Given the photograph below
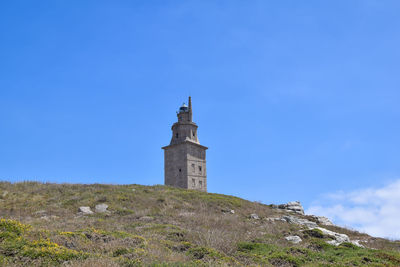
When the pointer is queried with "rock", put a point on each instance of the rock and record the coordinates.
(272, 219)
(39, 212)
(228, 211)
(291, 206)
(85, 210)
(5, 193)
(133, 189)
(357, 243)
(45, 217)
(295, 220)
(322, 220)
(101, 208)
(339, 238)
(293, 238)
(254, 216)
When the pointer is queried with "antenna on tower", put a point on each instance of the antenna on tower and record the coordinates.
(190, 109)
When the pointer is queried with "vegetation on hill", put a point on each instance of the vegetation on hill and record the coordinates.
(163, 226)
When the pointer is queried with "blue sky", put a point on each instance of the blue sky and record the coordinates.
(296, 100)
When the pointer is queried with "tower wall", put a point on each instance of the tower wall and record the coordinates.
(196, 165)
(175, 167)
(185, 166)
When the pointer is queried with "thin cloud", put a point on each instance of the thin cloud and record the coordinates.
(375, 211)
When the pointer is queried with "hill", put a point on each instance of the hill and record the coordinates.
(158, 225)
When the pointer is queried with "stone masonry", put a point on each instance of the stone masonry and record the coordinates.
(184, 157)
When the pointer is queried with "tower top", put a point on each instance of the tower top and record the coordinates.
(185, 113)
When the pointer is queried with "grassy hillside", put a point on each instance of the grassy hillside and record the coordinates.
(159, 225)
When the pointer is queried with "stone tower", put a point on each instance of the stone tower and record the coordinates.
(184, 157)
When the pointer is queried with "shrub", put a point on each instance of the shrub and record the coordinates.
(349, 245)
(48, 249)
(120, 251)
(314, 233)
(12, 226)
(283, 259)
(13, 243)
(204, 252)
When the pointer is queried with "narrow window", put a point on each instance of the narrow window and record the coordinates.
(193, 183)
(177, 135)
(193, 134)
(200, 169)
(180, 170)
(201, 184)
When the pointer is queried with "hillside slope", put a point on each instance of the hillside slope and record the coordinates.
(158, 225)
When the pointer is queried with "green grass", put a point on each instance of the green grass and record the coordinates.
(344, 255)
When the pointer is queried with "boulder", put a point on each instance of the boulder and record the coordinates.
(228, 211)
(101, 208)
(273, 219)
(45, 217)
(339, 238)
(322, 220)
(294, 206)
(254, 216)
(296, 220)
(39, 212)
(293, 238)
(357, 243)
(85, 210)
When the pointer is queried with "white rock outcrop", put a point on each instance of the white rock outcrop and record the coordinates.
(357, 243)
(293, 238)
(296, 220)
(85, 210)
(273, 219)
(294, 206)
(338, 238)
(102, 208)
(322, 220)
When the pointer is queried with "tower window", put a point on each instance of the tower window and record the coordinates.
(201, 184)
(194, 134)
(177, 135)
(193, 183)
(200, 169)
(180, 170)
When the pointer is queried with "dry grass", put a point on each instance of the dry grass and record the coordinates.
(154, 225)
